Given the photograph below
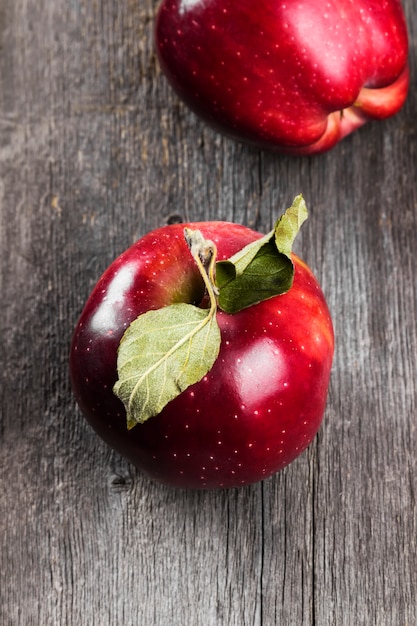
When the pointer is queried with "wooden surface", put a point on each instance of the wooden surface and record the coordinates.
(96, 150)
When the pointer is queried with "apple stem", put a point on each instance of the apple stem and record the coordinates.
(204, 252)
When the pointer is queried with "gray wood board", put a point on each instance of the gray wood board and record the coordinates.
(96, 150)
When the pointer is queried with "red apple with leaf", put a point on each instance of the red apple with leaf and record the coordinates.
(292, 75)
(203, 354)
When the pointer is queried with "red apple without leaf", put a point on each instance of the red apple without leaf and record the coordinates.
(291, 75)
(262, 401)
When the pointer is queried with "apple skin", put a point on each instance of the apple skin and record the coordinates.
(259, 406)
(291, 75)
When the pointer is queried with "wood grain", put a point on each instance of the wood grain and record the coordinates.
(95, 150)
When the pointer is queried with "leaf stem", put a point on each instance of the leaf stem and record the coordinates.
(204, 253)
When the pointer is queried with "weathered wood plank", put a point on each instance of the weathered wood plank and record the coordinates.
(95, 150)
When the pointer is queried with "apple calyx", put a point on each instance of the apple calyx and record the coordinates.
(165, 351)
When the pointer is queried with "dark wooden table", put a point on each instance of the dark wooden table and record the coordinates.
(95, 150)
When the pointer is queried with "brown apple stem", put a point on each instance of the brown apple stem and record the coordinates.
(204, 252)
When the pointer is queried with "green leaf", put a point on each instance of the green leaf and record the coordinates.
(267, 275)
(288, 225)
(161, 354)
(263, 269)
